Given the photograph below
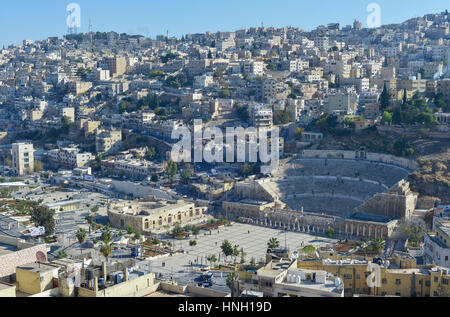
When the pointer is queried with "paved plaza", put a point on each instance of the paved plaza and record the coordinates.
(253, 243)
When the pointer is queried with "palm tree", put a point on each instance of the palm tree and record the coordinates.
(195, 231)
(236, 252)
(231, 277)
(212, 259)
(107, 235)
(273, 243)
(378, 244)
(106, 249)
(81, 236)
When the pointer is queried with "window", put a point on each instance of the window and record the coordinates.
(358, 277)
(446, 258)
(427, 283)
(398, 294)
(348, 276)
(398, 281)
(436, 279)
(384, 281)
(445, 281)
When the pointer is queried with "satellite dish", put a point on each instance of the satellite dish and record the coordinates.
(40, 257)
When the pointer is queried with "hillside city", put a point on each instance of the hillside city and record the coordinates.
(96, 202)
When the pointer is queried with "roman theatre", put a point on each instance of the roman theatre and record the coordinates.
(357, 193)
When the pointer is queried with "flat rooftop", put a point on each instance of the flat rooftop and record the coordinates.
(37, 267)
(254, 202)
(445, 226)
(370, 217)
(64, 203)
(168, 294)
(5, 286)
(6, 249)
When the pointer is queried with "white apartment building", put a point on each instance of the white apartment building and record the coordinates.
(69, 157)
(203, 81)
(262, 117)
(255, 68)
(322, 43)
(369, 97)
(101, 74)
(225, 44)
(108, 141)
(437, 244)
(341, 102)
(22, 158)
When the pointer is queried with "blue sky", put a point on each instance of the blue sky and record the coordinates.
(39, 19)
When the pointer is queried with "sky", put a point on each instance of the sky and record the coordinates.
(39, 19)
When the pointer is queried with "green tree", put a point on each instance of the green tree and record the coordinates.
(273, 243)
(236, 252)
(38, 166)
(106, 249)
(8, 162)
(172, 169)
(81, 237)
(330, 233)
(298, 132)
(378, 245)
(387, 118)
(282, 117)
(384, 98)
(106, 235)
(192, 243)
(212, 259)
(185, 174)
(230, 281)
(150, 154)
(227, 248)
(242, 113)
(225, 93)
(405, 96)
(130, 230)
(309, 249)
(65, 123)
(61, 254)
(243, 255)
(44, 217)
(195, 231)
(177, 229)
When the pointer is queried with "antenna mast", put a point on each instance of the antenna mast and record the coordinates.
(91, 38)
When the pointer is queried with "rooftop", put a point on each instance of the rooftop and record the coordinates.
(37, 267)
(5, 286)
(146, 208)
(64, 203)
(6, 249)
(370, 217)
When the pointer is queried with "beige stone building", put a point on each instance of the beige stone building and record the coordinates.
(116, 65)
(108, 141)
(147, 215)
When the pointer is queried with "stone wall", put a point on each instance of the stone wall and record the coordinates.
(10, 261)
(399, 202)
(376, 157)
